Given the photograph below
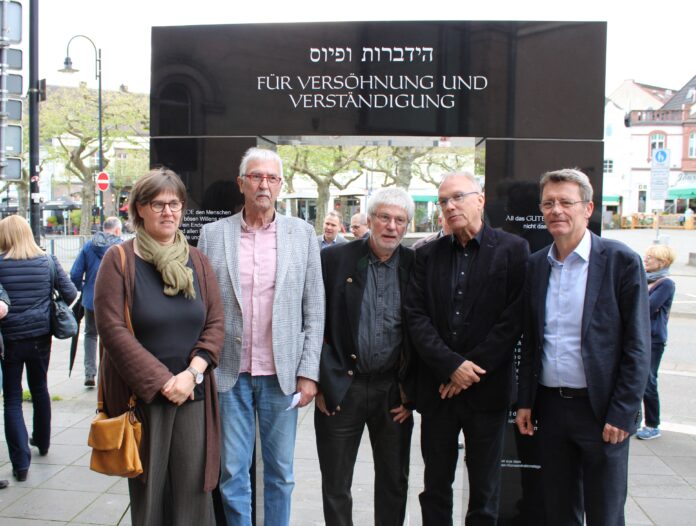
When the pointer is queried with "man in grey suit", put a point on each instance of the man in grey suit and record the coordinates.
(269, 272)
(585, 358)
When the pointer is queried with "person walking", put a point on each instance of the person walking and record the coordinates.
(27, 276)
(658, 259)
(83, 274)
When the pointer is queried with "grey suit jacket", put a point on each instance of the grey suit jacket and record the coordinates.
(340, 239)
(298, 305)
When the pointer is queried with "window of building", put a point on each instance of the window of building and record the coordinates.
(608, 166)
(657, 142)
(692, 145)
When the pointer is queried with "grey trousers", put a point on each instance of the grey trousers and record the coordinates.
(90, 344)
(173, 493)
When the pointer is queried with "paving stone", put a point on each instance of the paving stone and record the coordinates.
(647, 465)
(107, 509)
(634, 515)
(684, 466)
(667, 486)
(79, 478)
(49, 504)
(669, 512)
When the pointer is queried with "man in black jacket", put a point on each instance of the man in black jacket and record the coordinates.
(464, 316)
(365, 371)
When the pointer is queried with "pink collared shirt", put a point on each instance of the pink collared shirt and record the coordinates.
(257, 272)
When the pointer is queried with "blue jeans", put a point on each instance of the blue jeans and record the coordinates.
(34, 353)
(651, 399)
(250, 397)
(90, 344)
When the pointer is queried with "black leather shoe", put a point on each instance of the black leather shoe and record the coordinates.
(4, 484)
(89, 381)
(20, 475)
(42, 452)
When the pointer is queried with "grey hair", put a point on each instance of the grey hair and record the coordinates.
(391, 196)
(334, 213)
(259, 154)
(362, 218)
(111, 223)
(467, 175)
(568, 175)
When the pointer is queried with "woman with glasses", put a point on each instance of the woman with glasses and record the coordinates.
(165, 359)
(658, 259)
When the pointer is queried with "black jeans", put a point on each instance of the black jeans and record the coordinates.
(651, 399)
(483, 436)
(367, 402)
(34, 353)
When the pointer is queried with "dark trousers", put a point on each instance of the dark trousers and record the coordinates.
(483, 435)
(173, 492)
(367, 402)
(651, 399)
(579, 471)
(34, 354)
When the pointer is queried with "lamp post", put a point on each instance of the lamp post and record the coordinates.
(68, 68)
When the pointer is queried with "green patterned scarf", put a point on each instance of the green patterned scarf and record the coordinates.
(170, 261)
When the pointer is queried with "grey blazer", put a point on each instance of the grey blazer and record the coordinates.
(340, 239)
(298, 305)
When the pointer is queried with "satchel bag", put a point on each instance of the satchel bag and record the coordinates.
(115, 442)
(63, 322)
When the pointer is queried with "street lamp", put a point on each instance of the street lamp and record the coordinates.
(68, 68)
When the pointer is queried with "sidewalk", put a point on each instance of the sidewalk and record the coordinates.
(62, 490)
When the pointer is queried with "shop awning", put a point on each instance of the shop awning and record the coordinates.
(611, 199)
(682, 192)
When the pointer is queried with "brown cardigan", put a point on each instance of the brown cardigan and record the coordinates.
(128, 367)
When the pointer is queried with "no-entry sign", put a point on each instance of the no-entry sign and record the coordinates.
(103, 181)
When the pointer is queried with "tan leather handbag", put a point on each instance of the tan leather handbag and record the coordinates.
(115, 442)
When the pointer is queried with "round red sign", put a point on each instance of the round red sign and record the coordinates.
(103, 181)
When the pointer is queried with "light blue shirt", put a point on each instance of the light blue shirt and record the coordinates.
(561, 361)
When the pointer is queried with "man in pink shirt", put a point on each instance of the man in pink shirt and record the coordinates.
(269, 273)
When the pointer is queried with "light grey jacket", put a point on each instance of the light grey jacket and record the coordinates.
(298, 305)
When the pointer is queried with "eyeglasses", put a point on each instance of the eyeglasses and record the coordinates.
(456, 198)
(174, 206)
(256, 178)
(386, 219)
(565, 204)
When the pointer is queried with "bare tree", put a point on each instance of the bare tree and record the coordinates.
(326, 166)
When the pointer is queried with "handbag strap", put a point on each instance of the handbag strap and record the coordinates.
(52, 266)
(129, 324)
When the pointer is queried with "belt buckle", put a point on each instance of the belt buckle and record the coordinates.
(567, 397)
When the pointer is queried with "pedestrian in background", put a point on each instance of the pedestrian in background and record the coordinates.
(4, 307)
(83, 274)
(658, 259)
(27, 277)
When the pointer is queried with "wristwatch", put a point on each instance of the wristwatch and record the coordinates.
(197, 376)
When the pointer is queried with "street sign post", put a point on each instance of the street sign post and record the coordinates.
(659, 175)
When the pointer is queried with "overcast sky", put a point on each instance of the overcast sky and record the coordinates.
(649, 48)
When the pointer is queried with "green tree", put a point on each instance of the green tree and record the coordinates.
(69, 130)
(400, 164)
